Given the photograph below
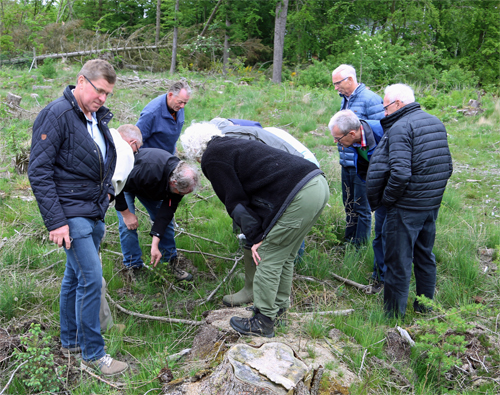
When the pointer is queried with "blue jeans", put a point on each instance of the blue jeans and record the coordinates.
(358, 213)
(81, 289)
(410, 236)
(379, 267)
(129, 240)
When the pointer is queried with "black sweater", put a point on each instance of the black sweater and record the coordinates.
(149, 178)
(255, 182)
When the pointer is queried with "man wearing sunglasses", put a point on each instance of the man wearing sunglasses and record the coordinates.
(366, 105)
(71, 165)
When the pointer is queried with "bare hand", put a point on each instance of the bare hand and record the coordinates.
(255, 254)
(60, 236)
(130, 219)
(155, 252)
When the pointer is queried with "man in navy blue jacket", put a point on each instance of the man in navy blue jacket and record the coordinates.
(160, 123)
(363, 137)
(72, 162)
(366, 105)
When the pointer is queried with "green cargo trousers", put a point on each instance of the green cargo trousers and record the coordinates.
(272, 283)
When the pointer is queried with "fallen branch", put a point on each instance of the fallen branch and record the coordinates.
(350, 282)
(152, 317)
(336, 312)
(206, 253)
(199, 237)
(362, 362)
(222, 282)
(87, 370)
(11, 377)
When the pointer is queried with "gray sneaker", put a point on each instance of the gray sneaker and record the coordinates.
(179, 274)
(107, 366)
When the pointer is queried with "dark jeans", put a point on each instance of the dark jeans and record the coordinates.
(379, 267)
(129, 239)
(358, 213)
(410, 236)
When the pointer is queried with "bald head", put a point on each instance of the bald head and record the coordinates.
(132, 135)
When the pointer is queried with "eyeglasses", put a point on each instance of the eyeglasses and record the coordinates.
(99, 91)
(337, 140)
(338, 82)
(390, 104)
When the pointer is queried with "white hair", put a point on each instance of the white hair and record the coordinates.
(346, 70)
(345, 120)
(195, 138)
(401, 92)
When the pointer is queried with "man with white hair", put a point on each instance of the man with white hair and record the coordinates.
(349, 131)
(408, 174)
(198, 135)
(366, 105)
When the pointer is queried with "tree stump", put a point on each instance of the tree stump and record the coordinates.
(271, 369)
(13, 99)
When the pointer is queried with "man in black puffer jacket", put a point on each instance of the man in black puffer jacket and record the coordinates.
(72, 161)
(408, 174)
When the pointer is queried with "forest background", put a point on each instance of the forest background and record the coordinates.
(440, 43)
(448, 51)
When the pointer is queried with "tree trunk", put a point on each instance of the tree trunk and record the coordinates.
(279, 39)
(158, 19)
(211, 17)
(174, 42)
(225, 56)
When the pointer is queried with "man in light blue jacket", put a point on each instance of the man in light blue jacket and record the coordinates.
(366, 105)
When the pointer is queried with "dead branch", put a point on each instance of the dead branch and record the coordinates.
(11, 377)
(223, 281)
(350, 282)
(152, 317)
(180, 232)
(336, 312)
(205, 253)
(391, 368)
(87, 370)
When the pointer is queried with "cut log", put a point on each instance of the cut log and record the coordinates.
(13, 99)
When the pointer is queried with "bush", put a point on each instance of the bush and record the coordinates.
(48, 69)
(318, 74)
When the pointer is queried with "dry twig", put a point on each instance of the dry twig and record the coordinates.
(152, 317)
(236, 260)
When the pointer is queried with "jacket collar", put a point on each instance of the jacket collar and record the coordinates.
(390, 120)
(359, 88)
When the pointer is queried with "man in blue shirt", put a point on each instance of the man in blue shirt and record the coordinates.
(366, 105)
(160, 122)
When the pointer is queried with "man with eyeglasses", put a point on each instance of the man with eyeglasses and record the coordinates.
(363, 136)
(160, 123)
(71, 165)
(366, 105)
(408, 174)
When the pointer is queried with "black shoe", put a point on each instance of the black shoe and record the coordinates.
(375, 287)
(258, 325)
(280, 319)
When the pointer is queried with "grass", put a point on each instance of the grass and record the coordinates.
(31, 267)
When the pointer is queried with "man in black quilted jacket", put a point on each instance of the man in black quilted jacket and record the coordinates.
(408, 174)
(72, 161)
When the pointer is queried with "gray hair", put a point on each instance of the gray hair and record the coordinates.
(195, 138)
(185, 177)
(345, 120)
(401, 92)
(346, 70)
(130, 131)
(176, 87)
(96, 69)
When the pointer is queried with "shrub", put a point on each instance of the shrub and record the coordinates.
(48, 69)
(38, 362)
